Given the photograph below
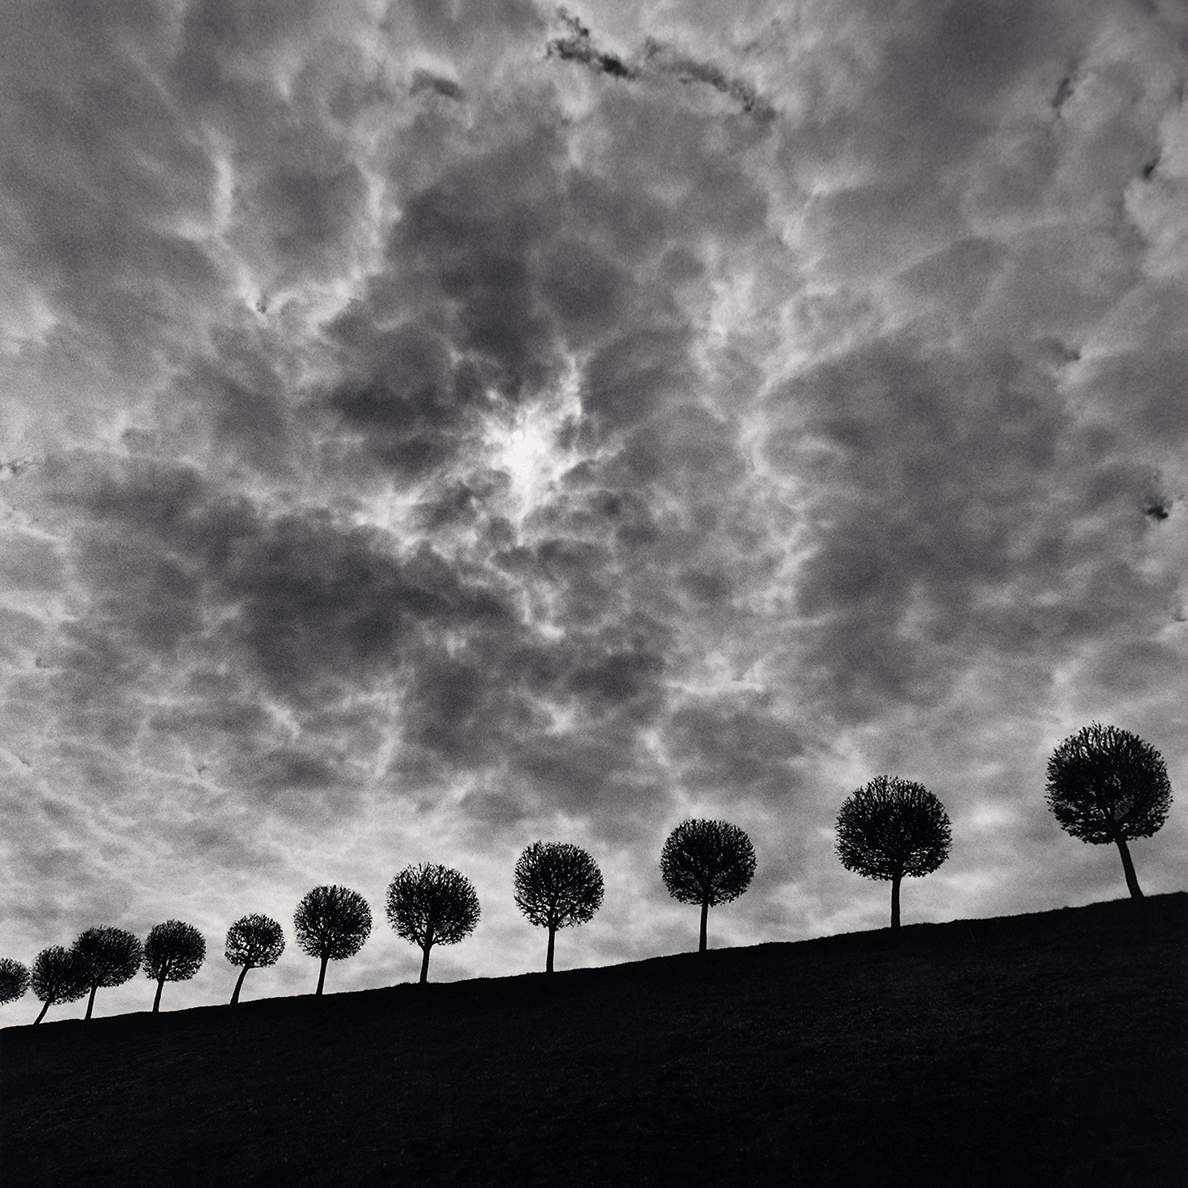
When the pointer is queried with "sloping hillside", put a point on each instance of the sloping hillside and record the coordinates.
(1045, 1049)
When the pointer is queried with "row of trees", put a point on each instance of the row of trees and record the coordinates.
(1105, 785)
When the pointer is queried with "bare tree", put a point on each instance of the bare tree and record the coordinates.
(108, 957)
(1107, 785)
(173, 952)
(557, 885)
(332, 924)
(57, 977)
(14, 980)
(253, 941)
(432, 905)
(890, 828)
(707, 862)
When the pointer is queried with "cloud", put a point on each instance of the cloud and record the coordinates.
(422, 443)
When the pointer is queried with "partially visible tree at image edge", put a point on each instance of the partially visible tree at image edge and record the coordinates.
(707, 863)
(557, 885)
(332, 923)
(891, 828)
(14, 980)
(1108, 785)
(253, 941)
(173, 952)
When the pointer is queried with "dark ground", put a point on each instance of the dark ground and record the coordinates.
(1047, 1049)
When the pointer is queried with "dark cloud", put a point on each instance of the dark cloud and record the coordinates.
(312, 603)
(961, 496)
(730, 741)
(579, 47)
(446, 88)
(690, 70)
(102, 176)
(653, 61)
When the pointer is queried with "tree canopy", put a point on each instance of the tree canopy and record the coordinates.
(108, 957)
(430, 904)
(1108, 785)
(14, 980)
(708, 863)
(57, 976)
(891, 828)
(173, 952)
(253, 941)
(557, 885)
(332, 923)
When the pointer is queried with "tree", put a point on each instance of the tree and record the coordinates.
(173, 952)
(253, 941)
(57, 976)
(108, 957)
(14, 980)
(556, 885)
(1107, 785)
(890, 828)
(432, 905)
(332, 924)
(707, 862)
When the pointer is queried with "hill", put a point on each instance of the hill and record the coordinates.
(1044, 1049)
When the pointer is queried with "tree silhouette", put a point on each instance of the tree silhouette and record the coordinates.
(1107, 785)
(556, 885)
(107, 957)
(432, 905)
(890, 828)
(57, 976)
(14, 980)
(253, 941)
(332, 924)
(707, 862)
(173, 952)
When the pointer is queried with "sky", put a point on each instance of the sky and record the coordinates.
(433, 427)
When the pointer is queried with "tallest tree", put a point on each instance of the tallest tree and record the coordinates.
(1107, 785)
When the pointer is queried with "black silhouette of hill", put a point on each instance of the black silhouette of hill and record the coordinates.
(1045, 1049)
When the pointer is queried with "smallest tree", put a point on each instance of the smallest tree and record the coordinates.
(556, 885)
(890, 828)
(332, 924)
(108, 957)
(707, 863)
(1107, 785)
(253, 941)
(173, 952)
(57, 977)
(432, 905)
(14, 980)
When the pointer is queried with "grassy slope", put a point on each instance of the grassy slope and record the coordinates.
(1045, 1049)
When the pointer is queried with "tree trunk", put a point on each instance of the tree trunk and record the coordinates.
(44, 1008)
(549, 958)
(157, 999)
(704, 917)
(895, 881)
(425, 952)
(238, 983)
(1136, 892)
(90, 1002)
(322, 976)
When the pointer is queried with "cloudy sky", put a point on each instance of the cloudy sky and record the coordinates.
(435, 426)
